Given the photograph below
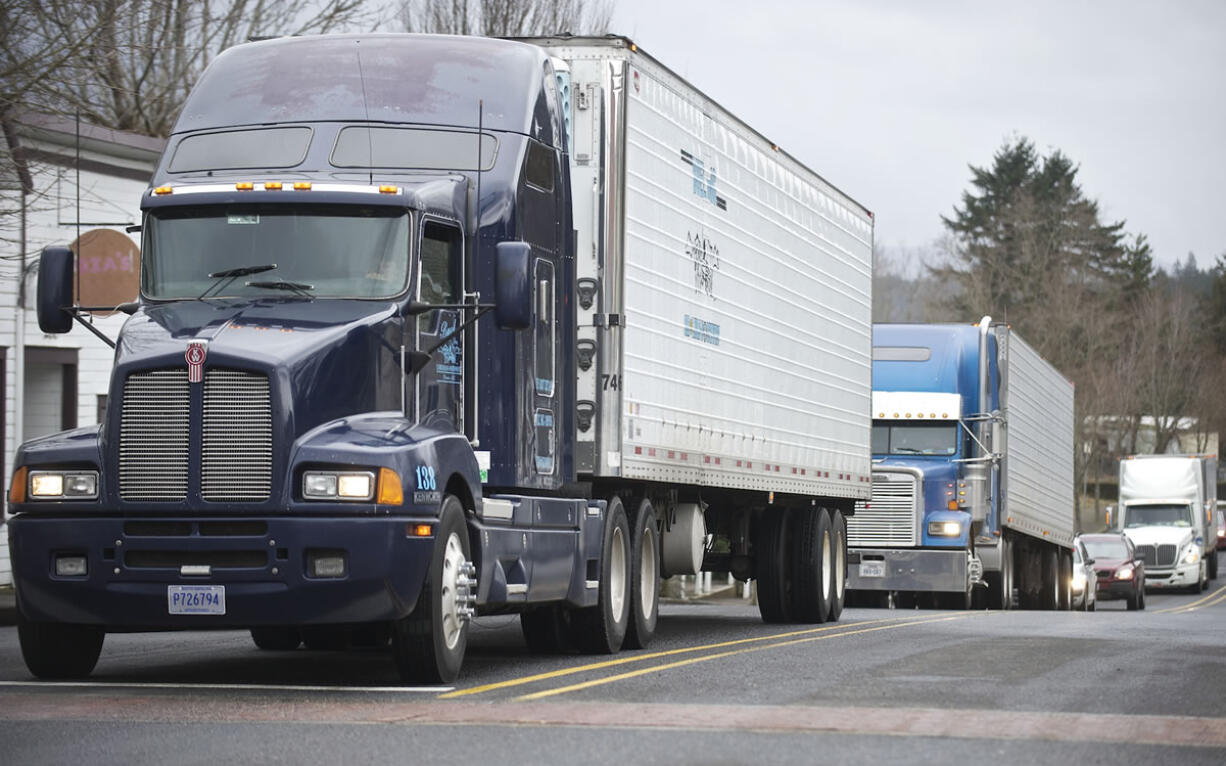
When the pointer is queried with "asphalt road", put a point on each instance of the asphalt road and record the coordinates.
(717, 687)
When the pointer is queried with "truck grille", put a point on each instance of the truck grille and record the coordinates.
(1157, 555)
(153, 433)
(889, 519)
(236, 436)
(236, 448)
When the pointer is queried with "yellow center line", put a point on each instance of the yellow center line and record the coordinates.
(734, 652)
(655, 655)
(1216, 595)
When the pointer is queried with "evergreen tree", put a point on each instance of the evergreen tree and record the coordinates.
(1025, 226)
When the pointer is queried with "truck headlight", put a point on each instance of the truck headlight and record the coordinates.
(338, 485)
(63, 485)
(1191, 556)
(944, 528)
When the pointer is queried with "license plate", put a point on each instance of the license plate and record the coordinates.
(872, 569)
(196, 599)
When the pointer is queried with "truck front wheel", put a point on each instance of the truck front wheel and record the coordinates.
(429, 644)
(54, 650)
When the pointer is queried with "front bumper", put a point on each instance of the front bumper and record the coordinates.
(261, 562)
(907, 570)
(1183, 576)
(1111, 589)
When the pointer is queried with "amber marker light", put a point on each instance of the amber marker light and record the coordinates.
(272, 186)
(163, 190)
(421, 530)
(389, 189)
(390, 491)
(17, 492)
(244, 186)
(302, 185)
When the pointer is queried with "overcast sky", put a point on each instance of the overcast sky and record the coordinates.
(890, 100)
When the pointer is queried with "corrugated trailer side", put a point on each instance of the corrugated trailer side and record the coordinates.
(1038, 462)
(736, 289)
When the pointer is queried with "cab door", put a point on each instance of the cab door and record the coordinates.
(440, 386)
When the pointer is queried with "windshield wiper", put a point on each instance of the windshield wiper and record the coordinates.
(297, 288)
(229, 275)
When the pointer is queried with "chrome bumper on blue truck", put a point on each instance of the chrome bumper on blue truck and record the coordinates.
(881, 569)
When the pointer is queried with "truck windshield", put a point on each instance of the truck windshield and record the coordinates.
(894, 438)
(339, 251)
(1158, 516)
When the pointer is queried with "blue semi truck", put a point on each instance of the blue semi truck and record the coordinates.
(436, 327)
(973, 486)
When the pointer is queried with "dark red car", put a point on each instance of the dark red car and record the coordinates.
(1221, 525)
(1121, 573)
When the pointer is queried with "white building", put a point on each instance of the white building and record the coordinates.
(62, 180)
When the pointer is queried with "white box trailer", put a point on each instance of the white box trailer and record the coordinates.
(725, 291)
(1037, 453)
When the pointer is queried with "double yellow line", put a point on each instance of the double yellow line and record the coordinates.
(735, 647)
(1213, 599)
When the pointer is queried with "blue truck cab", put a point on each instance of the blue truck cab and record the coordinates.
(916, 534)
(973, 490)
(298, 430)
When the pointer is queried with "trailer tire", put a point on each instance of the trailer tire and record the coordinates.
(838, 528)
(773, 566)
(58, 651)
(601, 629)
(1065, 586)
(1050, 577)
(644, 577)
(428, 645)
(813, 565)
(1000, 593)
(276, 639)
(545, 629)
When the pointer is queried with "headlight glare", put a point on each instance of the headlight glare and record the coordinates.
(359, 486)
(944, 528)
(1191, 556)
(63, 485)
(1124, 573)
(338, 485)
(46, 485)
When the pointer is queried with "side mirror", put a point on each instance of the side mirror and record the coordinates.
(55, 280)
(1089, 562)
(512, 286)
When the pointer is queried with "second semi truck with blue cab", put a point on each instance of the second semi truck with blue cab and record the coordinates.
(435, 327)
(972, 472)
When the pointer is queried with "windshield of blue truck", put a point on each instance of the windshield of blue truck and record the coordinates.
(1158, 516)
(915, 438)
(339, 251)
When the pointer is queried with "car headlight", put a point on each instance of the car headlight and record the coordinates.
(338, 485)
(1079, 580)
(945, 528)
(1125, 572)
(1191, 556)
(63, 485)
